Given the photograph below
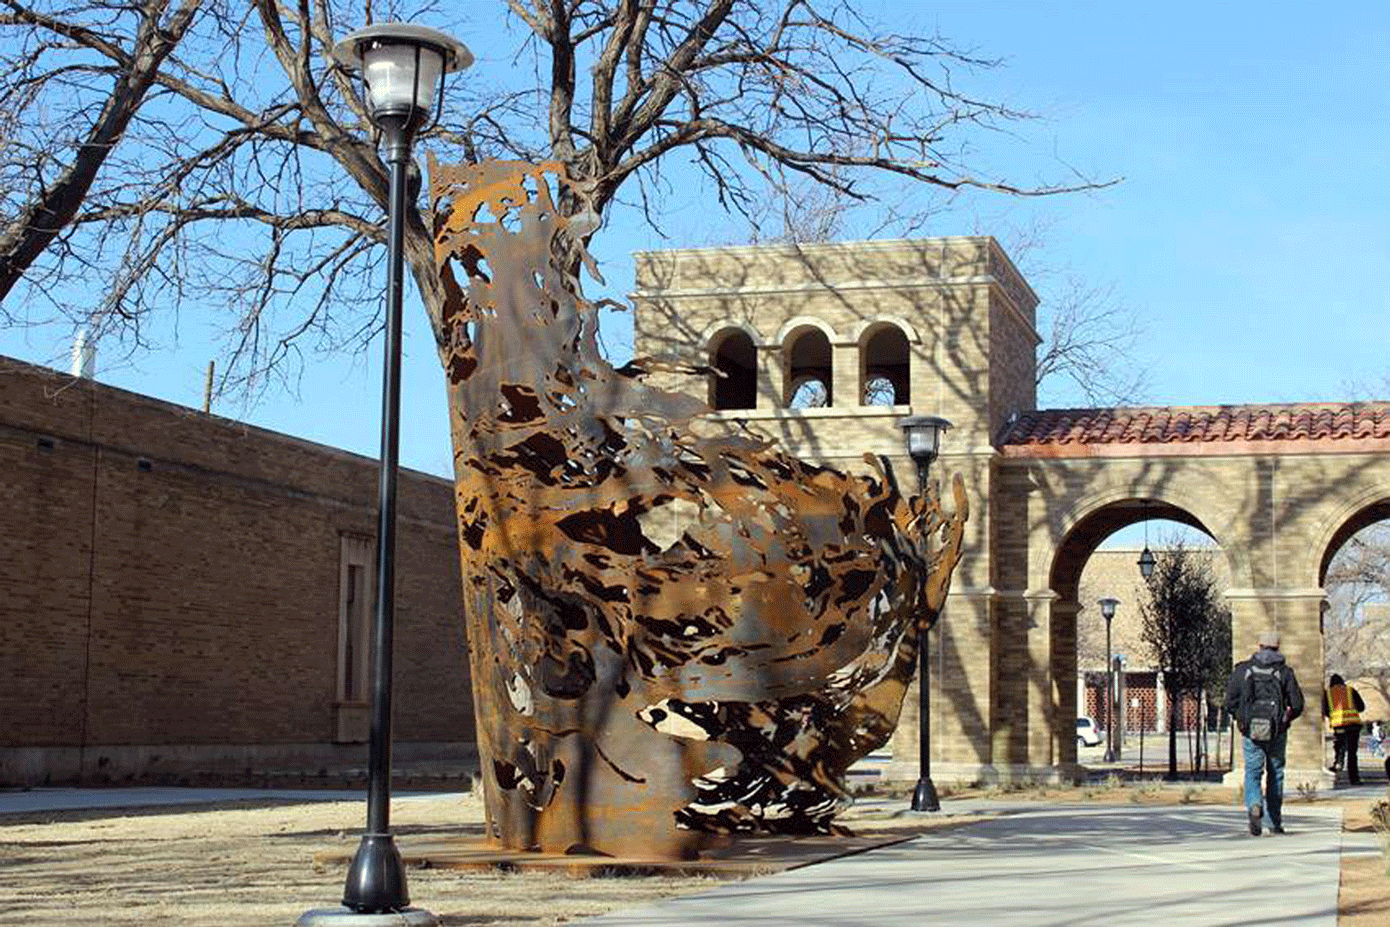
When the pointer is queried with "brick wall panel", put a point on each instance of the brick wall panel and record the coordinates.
(214, 582)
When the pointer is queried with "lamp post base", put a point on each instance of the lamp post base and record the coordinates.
(376, 876)
(346, 917)
(924, 796)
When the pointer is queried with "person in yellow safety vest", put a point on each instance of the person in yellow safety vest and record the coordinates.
(1342, 707)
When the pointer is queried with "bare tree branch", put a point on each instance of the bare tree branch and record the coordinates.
(27, 235)
(234, 166)
(1091, 340)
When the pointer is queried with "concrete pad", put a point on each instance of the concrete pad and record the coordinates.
(344, 917)
(1052, 866)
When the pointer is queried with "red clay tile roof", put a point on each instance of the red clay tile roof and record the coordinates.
(1338, 422)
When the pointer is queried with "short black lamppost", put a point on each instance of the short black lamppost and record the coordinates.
(923, 436)
(1107, 611)
(401, 65)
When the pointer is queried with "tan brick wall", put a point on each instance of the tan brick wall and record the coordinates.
(196, 602)
(1115, 573)
(953, 293)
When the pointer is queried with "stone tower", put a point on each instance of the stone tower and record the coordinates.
(825, 347)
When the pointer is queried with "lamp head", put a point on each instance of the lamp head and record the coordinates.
(922, 434)
(1107, 607)
(1146, 562)
(401, 64)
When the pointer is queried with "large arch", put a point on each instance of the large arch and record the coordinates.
(1089, 522)
(1361, 511)
(1097, 523)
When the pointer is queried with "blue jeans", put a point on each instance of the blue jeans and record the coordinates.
(1261, 759)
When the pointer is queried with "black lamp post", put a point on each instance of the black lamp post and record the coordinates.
(401, 65)
(1107, 611)
(923, 436)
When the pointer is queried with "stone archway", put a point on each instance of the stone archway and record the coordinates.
(1356, 617)
(1095, 520)
(1361, 512)
(1275, 485)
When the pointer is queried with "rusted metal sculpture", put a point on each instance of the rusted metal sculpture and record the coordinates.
(671, 636)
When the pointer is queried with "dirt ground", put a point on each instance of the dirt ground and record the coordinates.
(251, 863)
(1364, 899)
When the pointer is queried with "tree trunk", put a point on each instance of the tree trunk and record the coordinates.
(1173, 707)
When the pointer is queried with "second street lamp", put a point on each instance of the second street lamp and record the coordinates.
(922, 433)
(1107, 611)
(1146, 563)
(401, 65)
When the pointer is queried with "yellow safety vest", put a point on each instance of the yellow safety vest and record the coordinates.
(1341, 708)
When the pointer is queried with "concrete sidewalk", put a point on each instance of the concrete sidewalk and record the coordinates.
(1050, 866)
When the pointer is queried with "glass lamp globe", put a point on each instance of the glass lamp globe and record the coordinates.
(401, 65)
(923, 435)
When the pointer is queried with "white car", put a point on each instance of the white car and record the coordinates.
(1087, 733)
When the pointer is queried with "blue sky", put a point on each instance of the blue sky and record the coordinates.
(1249, 232)
(1254, 142)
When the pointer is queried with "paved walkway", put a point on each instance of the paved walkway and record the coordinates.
(1040, 865)
(1050, 866)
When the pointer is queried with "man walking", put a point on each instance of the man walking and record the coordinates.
(1342, 708)
(1264, 697)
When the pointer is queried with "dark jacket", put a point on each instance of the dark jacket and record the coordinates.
(1235, 688)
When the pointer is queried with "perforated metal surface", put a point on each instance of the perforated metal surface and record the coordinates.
(671, 635)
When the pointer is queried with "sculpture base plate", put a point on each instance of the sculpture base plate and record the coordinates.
(732, 858)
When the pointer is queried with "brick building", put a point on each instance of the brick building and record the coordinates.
(187, 598)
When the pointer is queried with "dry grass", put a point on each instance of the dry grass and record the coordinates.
(251, 864)
(245, 863)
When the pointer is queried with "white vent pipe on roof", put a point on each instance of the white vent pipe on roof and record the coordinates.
(84, 356)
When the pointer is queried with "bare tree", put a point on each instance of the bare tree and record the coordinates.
(1090, 337)
(131, 72)
(1189, 631)
(1090, 340)
(1356, 625)
(244, 179)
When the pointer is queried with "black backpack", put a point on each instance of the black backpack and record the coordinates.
(1264, 702)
